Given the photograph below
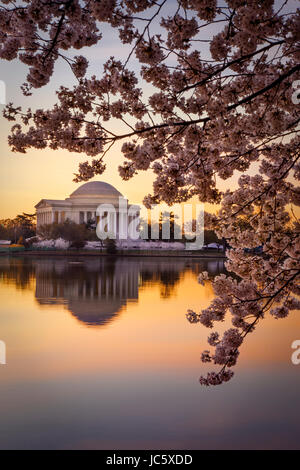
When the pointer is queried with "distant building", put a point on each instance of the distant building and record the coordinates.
(82, 204)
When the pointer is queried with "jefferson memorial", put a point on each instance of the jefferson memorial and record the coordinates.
(81, 206)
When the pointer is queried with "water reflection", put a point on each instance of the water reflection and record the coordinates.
(96, 290)
(101, 356)
(93, 291)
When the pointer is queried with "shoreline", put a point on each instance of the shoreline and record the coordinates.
(120, 253)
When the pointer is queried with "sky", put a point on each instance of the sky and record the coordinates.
(27, 178)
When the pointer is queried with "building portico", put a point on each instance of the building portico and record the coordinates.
(81, 207)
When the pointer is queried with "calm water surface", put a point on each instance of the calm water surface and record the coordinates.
(100, 355)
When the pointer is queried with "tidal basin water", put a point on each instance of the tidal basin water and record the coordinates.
(101, 356)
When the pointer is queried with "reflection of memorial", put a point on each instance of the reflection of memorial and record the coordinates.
(94, 292)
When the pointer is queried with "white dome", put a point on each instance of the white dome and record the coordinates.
(96, 188)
